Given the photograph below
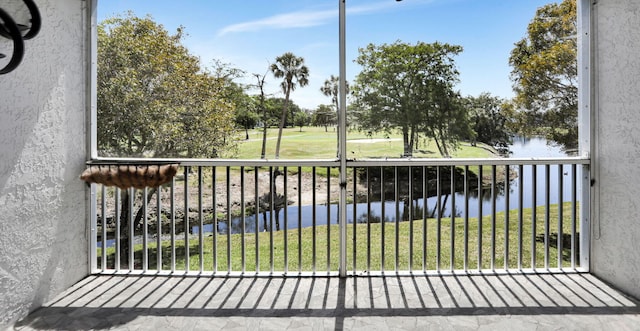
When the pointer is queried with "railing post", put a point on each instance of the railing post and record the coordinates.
(342, 135)
(585, 132)
(93, 230)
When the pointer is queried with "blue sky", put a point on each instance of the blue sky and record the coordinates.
(250, 34)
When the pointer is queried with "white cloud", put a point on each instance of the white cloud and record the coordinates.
(300, 19)
(303, 19)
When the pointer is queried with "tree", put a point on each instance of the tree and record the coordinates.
(293, 71)
(447, 123)
(331, 88)
(544, 73)
(324, 116)
(489, 119)
(154, 99)
(410, 88)
(263, 110)
(301, 119)
(274, 108)
(246, 116)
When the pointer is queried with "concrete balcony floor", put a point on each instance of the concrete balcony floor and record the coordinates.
(571, 301)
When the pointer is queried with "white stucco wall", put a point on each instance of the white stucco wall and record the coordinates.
(43, 245)
(616, 222)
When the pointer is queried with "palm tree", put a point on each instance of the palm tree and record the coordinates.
(331, 88)
(294, 72)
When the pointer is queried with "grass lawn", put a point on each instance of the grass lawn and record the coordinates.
(315, 143)
(369, 253)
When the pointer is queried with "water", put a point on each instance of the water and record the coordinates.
(528, 148)
(531, 147)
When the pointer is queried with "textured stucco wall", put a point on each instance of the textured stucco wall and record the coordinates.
(43, 245)
(616, 227)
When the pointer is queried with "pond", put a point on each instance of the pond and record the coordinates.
(521, 148)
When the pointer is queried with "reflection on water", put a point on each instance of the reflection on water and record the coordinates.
(507, 197)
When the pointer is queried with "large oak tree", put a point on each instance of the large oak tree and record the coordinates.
(544, 74)
(410, 88)
(154, 98)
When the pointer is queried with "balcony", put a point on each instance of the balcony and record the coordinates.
(45, 221)
(507, 249)
(512, 301)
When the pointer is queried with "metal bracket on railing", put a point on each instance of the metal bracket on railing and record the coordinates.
(14, 31)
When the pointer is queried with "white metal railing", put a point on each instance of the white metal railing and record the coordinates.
(221, 217)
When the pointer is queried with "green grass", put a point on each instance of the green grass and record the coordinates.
(369, 255)
(315, 143)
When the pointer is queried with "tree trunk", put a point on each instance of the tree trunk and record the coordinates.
(407, 152)
(125, 224)
(263, 154)
(282, 121)
(443, 205)
(124, 229)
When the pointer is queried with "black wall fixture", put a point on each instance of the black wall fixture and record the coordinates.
(17, 33)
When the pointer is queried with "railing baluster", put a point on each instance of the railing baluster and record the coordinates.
(410, 219)
(354, 243)
(313, 220)
(396, 186)
(534, 212)
(506, 215)
(131, 219)
(286, 222)
(547, 214)
(118, 224)
(172, 209)
(560, 213)
(214, 202)
(272, 213)
(480, 217)
(159, 229)
(257, 222)
(229, 268)
(425, 211)
(494, 194)
(186, 219)
(329, 220)
(243, 224)
(466, 218)
(145, 232)
(300, 219)
(438, 218)
(452, 248)
(520, 213)
(368, 220)
(94, 213)
(574, 213)
(105, 239)
(200, 221)
(382, 220)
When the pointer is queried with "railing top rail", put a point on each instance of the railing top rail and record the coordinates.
(350, 163)
(468, 161)
(219, 162)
